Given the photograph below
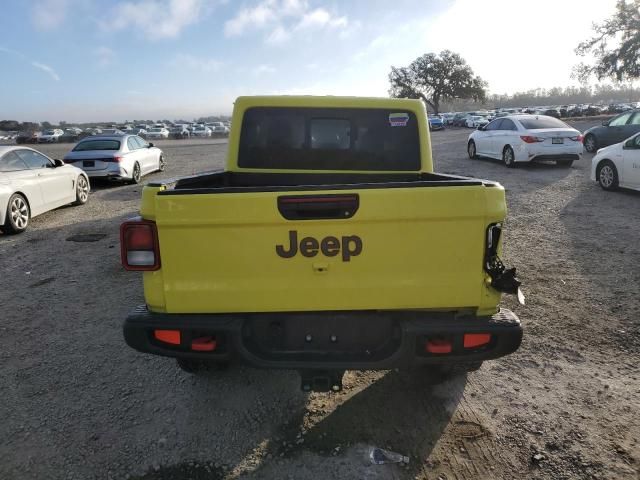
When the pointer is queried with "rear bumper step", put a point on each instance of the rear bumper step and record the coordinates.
(345, 340)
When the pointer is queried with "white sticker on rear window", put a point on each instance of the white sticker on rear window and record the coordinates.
(398, 119)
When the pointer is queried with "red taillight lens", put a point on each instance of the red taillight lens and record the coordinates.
(579, 138)
(475, 340)
(531, 139)
(139, 245)
(118, 159)
(172, 337)
(438, 345)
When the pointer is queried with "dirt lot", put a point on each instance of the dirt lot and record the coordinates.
(77, 403)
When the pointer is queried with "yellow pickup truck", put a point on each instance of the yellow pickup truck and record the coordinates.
(328, 244)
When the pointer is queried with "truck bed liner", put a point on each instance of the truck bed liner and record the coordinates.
(230, 182)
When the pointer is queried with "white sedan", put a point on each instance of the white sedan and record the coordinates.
(476, 121)
(618, 165)
(117, 157)
(158, 132)
(526, 138)
(31, 183)
(50, 136)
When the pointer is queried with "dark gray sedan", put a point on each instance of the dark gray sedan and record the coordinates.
(614, 130)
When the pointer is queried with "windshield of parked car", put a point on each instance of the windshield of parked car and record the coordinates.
(329, 139)
(49, 132)
(536, 123)
(156, 130)
(97, 145)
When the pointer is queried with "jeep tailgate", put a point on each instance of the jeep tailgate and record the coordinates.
(420, 248)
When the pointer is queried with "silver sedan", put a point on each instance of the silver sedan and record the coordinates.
(31, 183)
(119, 157)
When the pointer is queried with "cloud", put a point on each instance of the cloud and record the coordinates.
(320, 18)
(283, 18)
(246, 18)
(49, 14)
(41, 66)
(47, 69)
(105, 56)
(278, 36)
(196, 63)
(155, 19)
(263, 69)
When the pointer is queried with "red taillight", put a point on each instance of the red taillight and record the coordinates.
(531, 139)
(204, 344)
(438, 345)
(475, 340)
(117, 159)
(172, 337)
(139, 248)
(579, 138)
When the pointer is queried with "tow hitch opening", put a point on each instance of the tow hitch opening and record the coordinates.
(321, 380)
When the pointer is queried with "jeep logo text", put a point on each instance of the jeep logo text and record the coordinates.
(350, 246)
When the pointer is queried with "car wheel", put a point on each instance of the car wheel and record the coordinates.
(18, 214)
(82, 190)
(471, 150)
(161, 164)
(607, 175)
(564, 163)
(508, 157)
(135, 176)
(590, 144)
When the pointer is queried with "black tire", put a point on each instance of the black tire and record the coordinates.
(564, 163)
(471, 150)
(136, 175)
(590, 143)
(162, 165)
(18, 215)
(194, 366)
(82, 190)
(607, 175)
(508, 157)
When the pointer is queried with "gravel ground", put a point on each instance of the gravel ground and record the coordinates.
(77, 403)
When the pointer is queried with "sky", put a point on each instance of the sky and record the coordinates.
(92, 60)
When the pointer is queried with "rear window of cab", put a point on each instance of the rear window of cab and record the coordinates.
(89, 145)
(329, 139)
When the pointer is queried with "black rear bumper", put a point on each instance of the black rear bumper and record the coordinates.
(354, 340)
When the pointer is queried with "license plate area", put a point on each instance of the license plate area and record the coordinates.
(557, 140)
(321, 337)
(88, 163)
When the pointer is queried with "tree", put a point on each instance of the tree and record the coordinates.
(615, 46)
(434, 78)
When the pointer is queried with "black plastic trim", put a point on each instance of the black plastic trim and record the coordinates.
(411, 327)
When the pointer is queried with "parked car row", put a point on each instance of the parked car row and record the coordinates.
(31, 183)
(155, 131)
(464, 119)
(528, 138)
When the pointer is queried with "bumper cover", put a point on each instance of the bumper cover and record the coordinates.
(355, 340)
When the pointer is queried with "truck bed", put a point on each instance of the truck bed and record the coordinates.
(233, 182)
(284, 242)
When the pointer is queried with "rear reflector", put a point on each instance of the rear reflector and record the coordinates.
(438, 345)
(204, 344)
(474, 340)
(139, 245)
(168, 336)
